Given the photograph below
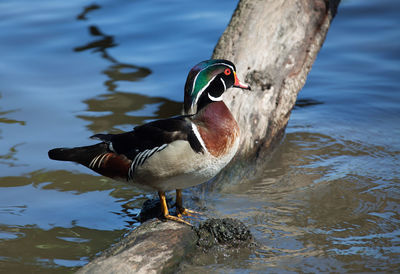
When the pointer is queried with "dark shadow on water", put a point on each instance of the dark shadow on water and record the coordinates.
(86, 10)
(117, 71)
(306, 102)
(100, 45)
(107, 112)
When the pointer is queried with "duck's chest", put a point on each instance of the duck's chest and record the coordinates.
(218, 130)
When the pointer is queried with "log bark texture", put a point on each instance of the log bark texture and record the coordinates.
(273, 44)
(153, 247)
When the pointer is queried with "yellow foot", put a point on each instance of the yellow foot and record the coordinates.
(177, 219)
(188, 212)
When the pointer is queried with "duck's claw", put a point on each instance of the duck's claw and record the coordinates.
(177, 219)
(187, 212)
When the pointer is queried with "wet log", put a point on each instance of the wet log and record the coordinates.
(273, 44)
(158, 246)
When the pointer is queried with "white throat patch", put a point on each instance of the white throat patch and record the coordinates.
(215, 99)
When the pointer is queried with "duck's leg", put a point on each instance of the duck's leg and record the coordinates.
(164, 210)
(179, 206)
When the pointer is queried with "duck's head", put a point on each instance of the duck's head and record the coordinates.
(206, 83)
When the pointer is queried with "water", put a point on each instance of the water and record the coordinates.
(328, 199)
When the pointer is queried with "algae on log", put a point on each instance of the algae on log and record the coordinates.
(158, 246)
(273, 44)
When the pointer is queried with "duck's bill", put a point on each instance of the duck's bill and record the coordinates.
(238, 84)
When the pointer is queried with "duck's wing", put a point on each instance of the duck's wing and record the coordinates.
(119, 154)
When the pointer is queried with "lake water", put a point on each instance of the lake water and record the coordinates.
(327, 201)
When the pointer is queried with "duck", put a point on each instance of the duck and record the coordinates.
(173, 153)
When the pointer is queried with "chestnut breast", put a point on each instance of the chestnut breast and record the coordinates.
(218, 128)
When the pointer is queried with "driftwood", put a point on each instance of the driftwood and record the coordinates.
(273, 44)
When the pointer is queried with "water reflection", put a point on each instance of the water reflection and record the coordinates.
(86, 10)
(67, 181)
(337, 220)
(119, 110)
(60, 249)
(6, 120)
(306, 102)
(101, 45)
(43, 212)
(10, 158)
(110, 111)
(118, 71)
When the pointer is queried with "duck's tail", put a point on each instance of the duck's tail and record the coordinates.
(82, 155)
(96, 157)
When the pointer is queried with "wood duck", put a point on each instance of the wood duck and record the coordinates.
(174, 153)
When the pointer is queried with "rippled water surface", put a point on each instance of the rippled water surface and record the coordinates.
(327, 201)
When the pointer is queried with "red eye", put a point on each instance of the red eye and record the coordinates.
(227, 71)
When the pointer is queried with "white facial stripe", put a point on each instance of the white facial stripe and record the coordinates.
(198, 136)
(215, 99)
(195, 78)
(223, 82)
(202, 90)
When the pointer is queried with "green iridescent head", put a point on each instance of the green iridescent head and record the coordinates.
(206, 83)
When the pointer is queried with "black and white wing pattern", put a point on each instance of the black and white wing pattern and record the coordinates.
(148, 139)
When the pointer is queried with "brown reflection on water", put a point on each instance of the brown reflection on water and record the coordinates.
(39, 245)
(117, 71)
(86, 10)
(10, 158)
(6, 120)
(67, 181)
(32, 249)
(108, 111)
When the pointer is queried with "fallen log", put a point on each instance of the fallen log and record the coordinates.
(152, 247)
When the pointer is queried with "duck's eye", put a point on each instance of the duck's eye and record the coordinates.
(227, 71)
